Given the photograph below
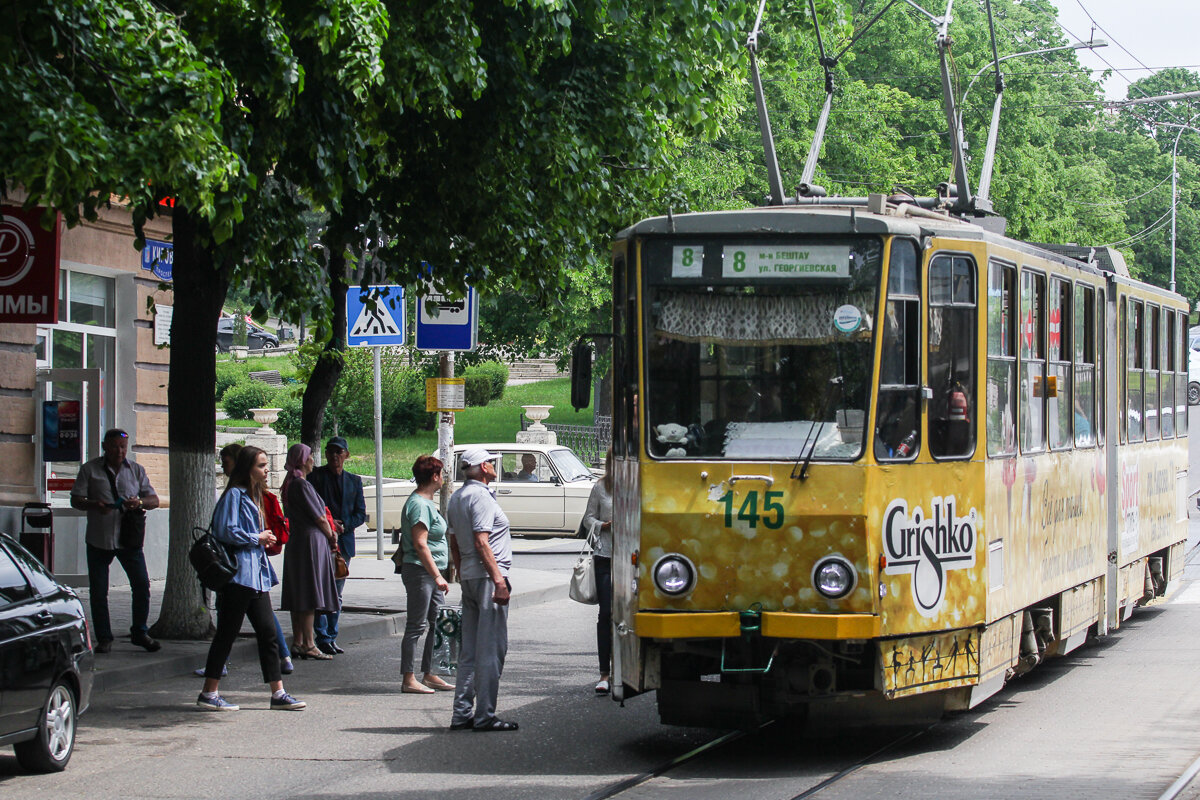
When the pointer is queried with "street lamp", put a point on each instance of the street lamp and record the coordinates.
(1174, 196)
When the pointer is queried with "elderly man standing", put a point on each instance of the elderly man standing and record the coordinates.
(482, 550)
(116, 494)
(343, 492)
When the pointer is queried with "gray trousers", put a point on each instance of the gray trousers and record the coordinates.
(424, 600)
(481, 659)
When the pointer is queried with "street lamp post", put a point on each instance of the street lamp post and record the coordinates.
(1174, 193)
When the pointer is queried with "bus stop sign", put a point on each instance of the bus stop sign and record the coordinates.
(445, 323)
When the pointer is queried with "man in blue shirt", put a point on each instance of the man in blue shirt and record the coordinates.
(343, 492)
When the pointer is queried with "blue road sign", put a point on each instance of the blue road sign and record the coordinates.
(158, 257)
(376, 318)
(445, 323)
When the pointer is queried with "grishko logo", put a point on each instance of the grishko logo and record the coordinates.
(927, 546)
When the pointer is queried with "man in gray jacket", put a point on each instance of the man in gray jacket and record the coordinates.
(481, 546)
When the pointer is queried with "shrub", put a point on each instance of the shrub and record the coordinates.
(289, 418)
(230, 373)
(497, 373)
(478, 388)
(406, 414)
(242, 397)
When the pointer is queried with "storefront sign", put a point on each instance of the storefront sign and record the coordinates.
(28, 266)
(158, 257)
(61, 430)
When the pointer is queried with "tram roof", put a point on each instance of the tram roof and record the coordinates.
(854, 217)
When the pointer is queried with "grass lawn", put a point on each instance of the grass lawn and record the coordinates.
(282, 362)
(499, 421)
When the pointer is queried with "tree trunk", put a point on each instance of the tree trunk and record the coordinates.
(329, 366)
(199, 293)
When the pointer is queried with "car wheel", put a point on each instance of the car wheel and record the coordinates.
(1193, 394)
(51, 749)
(269, 345)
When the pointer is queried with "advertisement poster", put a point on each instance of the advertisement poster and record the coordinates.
(60, 430)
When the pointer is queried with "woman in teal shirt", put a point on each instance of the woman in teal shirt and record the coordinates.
(426, 554)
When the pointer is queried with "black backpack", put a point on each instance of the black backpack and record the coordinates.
(213, 562)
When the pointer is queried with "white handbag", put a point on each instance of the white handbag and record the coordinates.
(583, 578)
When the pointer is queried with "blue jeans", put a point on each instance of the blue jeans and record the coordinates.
(134, 564)
(325, 626)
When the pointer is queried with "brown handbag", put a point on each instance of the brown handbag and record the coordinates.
(341, 570)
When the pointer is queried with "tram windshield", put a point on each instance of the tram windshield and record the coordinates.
(759, 350)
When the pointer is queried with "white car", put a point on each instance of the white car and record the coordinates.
(1193, 388)
(542, 488)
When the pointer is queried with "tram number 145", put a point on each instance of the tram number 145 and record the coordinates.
(771, 516)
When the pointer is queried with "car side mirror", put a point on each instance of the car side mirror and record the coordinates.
(581, 375)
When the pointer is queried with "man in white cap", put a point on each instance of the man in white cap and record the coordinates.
(481, 546)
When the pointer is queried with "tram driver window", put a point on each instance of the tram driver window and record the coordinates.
(952, 356)
(897, 425)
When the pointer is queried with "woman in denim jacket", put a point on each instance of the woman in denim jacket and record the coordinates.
(238, 524)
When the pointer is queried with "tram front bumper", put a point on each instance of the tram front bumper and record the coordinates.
(775, 625)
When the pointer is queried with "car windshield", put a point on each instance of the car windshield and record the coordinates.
(569, 466)
(759, 349)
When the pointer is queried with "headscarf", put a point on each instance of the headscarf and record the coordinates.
(293, 468)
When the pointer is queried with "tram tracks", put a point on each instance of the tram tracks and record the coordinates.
(626, 786)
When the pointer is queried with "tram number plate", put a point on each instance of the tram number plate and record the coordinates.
(770, 516)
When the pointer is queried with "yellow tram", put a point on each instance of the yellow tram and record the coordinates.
(867, 450)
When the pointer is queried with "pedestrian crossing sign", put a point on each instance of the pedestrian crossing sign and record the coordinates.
(375, 316)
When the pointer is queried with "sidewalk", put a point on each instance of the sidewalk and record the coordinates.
(374, 600)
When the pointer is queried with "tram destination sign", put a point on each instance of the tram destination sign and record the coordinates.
(799, 260)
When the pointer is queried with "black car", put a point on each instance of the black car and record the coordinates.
(256, 337)
(46, 661)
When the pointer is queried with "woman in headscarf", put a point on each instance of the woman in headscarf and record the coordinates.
(239, 524)
(308, 581)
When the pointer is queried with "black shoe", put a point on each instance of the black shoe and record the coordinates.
(496, 725)
(144, 640)
(103, 646)
(327, 648)
(461, 726)
(336, 650)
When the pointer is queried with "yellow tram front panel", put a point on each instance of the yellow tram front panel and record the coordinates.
(754, 535)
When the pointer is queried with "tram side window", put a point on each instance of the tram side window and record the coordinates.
(1033, 361)
(1150, 374)
(1101, 339)
(1002, 360)
(1058, 390)
(1166, 380)
(952, 356)
(1135, 343)
(1181, 377)
(897, 428)
(1084, 399)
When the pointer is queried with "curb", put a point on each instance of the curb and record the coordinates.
(385, 622)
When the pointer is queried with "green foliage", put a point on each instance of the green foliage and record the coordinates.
(230, 373)
(477, 389)
(240, 331)
(495, 374)
(352, 406)
(289, 418)
(241, 397)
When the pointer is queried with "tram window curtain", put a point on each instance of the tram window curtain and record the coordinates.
(951, 361)
(1166, 379)
(1058, 395)
(1033, 362)
(1150, 367)
(897, 426)
(1181, 377)
(1135, 345)
(1002, 359)
(1084, 399)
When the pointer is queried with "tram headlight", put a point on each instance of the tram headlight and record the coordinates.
(834, 577)
(674, 575)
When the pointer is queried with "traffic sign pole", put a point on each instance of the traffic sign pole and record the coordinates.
(446, 435)
(378, 458)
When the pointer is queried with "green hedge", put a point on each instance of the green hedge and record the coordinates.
(289, 419)
(231, 373)
(242, 397)
(478, 388)
(485, 382)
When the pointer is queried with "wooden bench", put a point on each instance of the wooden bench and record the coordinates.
(269, 377)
